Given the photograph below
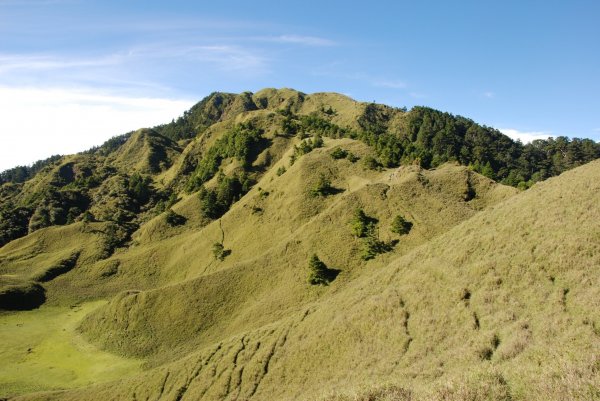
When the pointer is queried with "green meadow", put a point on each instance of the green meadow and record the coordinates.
(42, 350)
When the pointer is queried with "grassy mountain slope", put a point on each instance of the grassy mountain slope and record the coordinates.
(504, 305)
(193, 241)
(269, 251)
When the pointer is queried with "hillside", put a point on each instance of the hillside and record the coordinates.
(179, 259)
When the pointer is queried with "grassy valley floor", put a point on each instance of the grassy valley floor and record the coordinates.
(41, 350)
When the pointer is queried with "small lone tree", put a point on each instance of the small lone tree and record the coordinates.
(173, 219)
(322, 187)
(362, 225)
(319, 273)
(219, 251)
(373, 246)
(400, 225)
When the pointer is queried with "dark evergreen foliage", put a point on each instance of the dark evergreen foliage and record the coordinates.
(21, 174)
(173, 219)
(216, 202)
(201, 116)
(400, 225)
(319, 274)
(243, 143)
(362, 224)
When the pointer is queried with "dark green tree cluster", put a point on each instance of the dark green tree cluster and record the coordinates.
(58, 207)
(306, 146)
(338, 153)
(13, 222)
(361, 224)
(21, 174)
(365, 227)
(110, 145)
(294, 124)
(197, 119)
(430, 138)
(140, 188)
(243, 142)
(317, 125)
(216, 202)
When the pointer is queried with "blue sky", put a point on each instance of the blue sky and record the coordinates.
(74, 72)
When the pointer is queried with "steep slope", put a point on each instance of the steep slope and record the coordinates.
(145, 152)
(188, 248)
(263, 278)
(504, 305)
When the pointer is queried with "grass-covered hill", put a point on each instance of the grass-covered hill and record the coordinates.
(287, 246)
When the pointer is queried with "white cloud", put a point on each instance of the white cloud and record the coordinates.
(37, 123)
(489, 94)
(392, 84)
(303, 40)
(10, 62)
(228, 58)
(525, 136)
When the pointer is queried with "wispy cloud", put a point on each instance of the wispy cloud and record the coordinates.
(123, 65)
(20, 62)
(228, 58)
(71, 120)
(489, 94)
(417, 95)
(301, 40)
(525, 136)
(391, 84)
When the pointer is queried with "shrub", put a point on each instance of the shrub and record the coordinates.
(352, 157)
(140, 188)
(370, 163)
(319, 273)
(219, 251)
(174, 219)
(400, 225)
(373, 246)
(339, 153)
(322, 187)
(362, 224)
(281, 170)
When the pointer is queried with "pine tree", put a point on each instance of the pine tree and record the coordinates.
(400, 225)
(319, 273)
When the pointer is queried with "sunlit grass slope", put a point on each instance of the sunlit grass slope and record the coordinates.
(502, 306)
